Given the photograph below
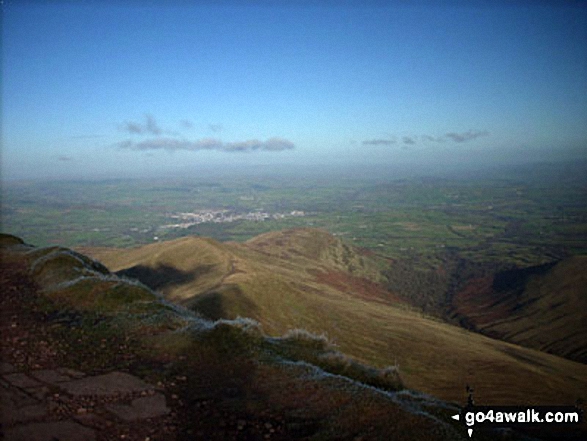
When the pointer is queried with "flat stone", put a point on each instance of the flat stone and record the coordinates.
(11, 397)
(112, 383)
(72, 373)
(58, 430)
(21, 380)
(16, 415)
(50, 376)
(6, 368)
(38, 392)
(18, 407)
(91, 420)
(141, 408)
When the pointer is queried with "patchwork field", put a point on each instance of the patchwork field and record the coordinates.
(521, 216)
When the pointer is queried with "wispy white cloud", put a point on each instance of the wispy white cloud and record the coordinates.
(186, 124)
(379, 142)
(466, 136)
(172, 141)
(149, 127)
(410, 140)
(87, 136)
(433, 138)
(173, 144)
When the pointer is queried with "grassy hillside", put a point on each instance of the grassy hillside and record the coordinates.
(541, 307)
(308, 279)
(222, 379)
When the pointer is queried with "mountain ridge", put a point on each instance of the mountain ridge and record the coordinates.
(286, 284)
(215, 380)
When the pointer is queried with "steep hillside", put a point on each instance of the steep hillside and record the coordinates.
(541, 307)
(87, 355)
(319, 247)
(177, 268)
(254, 279)
(308, 279)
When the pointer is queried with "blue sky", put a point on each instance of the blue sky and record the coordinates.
(154, 88)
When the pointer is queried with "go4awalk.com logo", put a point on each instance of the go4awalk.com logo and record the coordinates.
(474, 416)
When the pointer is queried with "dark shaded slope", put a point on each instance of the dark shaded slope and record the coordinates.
(542, 307)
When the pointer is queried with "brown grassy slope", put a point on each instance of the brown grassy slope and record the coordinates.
(547, 310)
(177, 268)
(273, 278)
(319, 247)
(221, 379)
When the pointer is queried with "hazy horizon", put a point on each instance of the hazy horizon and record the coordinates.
(139, 89)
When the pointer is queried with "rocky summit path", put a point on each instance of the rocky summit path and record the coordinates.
(93, 387)
(44, 399)
(64, 404)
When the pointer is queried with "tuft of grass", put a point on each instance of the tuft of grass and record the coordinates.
(301, 345)
(239, 336)
(303, 339)
(338, 363)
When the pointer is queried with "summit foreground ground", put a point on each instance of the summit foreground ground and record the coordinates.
(90, 355)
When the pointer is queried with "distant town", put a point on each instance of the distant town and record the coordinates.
(186, 220)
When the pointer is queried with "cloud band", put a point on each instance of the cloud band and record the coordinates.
(171, 144)
(452, 136)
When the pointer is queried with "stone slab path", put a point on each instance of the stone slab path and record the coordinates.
(43, 399)
(66, 405)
